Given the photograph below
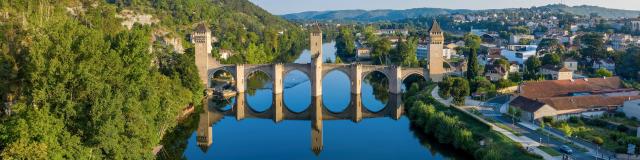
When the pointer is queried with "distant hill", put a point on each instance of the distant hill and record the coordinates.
(373, 15)
(586, 10)
(391, 15)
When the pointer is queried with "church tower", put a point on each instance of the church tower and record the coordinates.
(315, 43)
(436, 43)
(201, 38)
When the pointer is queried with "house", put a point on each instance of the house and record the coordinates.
(519, 53)
(448, 52)
(514, 68)
(391, 32)
(489, 38)
(606, 64)
(556, 72)
(479, 32)
(496, 73)
(515, 39)
(635, 25)
(571, 64)
(562, 99)
(563, 108)
(363, 53)
(225, 54)
(494, 53)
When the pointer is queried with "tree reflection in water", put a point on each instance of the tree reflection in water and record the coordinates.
(430, 143)
(380, 84)
(257, 80)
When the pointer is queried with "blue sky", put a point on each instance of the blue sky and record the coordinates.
(293, 6)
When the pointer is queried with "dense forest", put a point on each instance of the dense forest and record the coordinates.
(79, 85)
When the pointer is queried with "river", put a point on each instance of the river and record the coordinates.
(385, 137)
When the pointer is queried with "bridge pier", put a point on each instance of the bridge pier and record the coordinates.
(395, 102)
(356, 79)
(395, 80)
(278, 113)
(240, 107)
(278, 71)
(356, 102)
(240, 78)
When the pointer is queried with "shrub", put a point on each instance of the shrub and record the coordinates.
(574, 119)
(622, 128)
(548, 119)
(597, 140)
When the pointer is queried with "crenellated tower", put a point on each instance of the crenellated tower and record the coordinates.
(436, 43)
(315, 43)
(201, 38)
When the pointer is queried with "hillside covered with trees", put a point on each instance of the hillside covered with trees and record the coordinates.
(394, 15)
(79, 85)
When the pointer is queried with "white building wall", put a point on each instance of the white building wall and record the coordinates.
(631, 108)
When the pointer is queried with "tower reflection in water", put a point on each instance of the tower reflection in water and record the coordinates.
(316, 113)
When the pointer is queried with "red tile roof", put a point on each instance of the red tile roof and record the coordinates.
(558, 88)
(584, 102)
(526, 104)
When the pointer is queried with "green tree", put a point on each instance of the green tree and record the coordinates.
(551, 59)
(482, 85)
(445, 87)
(566, 129)
(603, 73)
(532, 66)
(380, 51)
(502, 62)
(550, 45)
(460, 90)
(472, 41)
(525, 41)
(628, 64)
(592, 46)
(474, 68)
(405, 53)
(345, 42)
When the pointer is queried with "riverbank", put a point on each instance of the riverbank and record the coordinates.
(469, 134)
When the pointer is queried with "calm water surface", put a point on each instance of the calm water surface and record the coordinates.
(254, 138)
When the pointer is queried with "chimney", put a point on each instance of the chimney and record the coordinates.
(604, 77)
(571, 79)
(586, 79)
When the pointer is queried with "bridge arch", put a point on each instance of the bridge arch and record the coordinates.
(375, 90)
(338, 84)
(297, 90)
(257, 90)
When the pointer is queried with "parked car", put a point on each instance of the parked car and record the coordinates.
(566, 149)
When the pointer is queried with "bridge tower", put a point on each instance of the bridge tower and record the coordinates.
(201, 38)
(315, 43)
(436, 43)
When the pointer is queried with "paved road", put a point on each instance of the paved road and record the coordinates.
(492, 111)
(537, 136)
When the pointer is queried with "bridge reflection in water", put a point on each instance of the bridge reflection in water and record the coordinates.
(316, 113)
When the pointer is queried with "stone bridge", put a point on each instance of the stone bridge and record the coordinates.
(355, 72)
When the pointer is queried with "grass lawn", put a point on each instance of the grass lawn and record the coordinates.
(550, 150)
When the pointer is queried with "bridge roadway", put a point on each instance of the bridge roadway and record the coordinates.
(355, 72)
